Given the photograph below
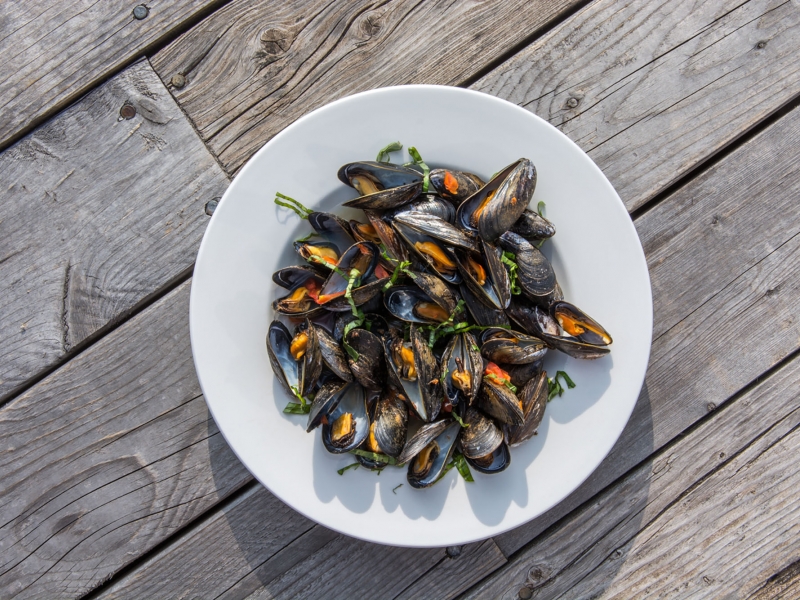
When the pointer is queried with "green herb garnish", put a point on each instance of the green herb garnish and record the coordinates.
(358, 314)
(293, 408)
(457, 418)
(394, 490)
(459, 462)
(555, 388)
(426, 170)
(383, 155)
(509, 259)
(435, 332)
(341, 471)
(308, 237)
(293, 204)
(374, 456)
(497, 380)
(540, 208)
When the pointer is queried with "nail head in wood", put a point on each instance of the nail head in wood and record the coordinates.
(525, 593)
(140, 12)
(128, 111)
(761, 45)
(178, 81)
(454, 551)
(572, 102)
(711, 406)
(211, 206)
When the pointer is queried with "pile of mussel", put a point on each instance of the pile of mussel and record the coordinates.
(419, 330)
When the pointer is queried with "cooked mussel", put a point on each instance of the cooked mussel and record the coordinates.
(493, 209)
(358, 261)
(382, 185)
(484, 315)
(431, 205)
(535, 273)
(496, 399)
(333, 229)
(425, 465)
(412, 368)
(492, 463)
(429, 300)
(455, 186)
(332, 354)
(534, 400)
(295, 359)
(304, 285)
(512, 347)
(533, 226)
(462, 369)
(389, 424)
(360, 295)
(481, 437)
(320, 254)
(348, 423)
(368, 367)
(325, 402)
(485, 275)
(579, 325)
(522, 374)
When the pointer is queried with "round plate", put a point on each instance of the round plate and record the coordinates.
(596, 254)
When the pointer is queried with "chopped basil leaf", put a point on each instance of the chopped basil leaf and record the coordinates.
(293, 408)
(463, 467)
(555, 387)
(308, 237)
(509, 259)
(496, 379)
(341, 471)
(293, 204)
(426, 170)
(383, 155)
(540, 208)
(457, 418)
(374, 456)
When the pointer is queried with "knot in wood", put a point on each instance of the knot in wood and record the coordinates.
(371, 25)
(536, 574)
(275, 41)
(572, 103)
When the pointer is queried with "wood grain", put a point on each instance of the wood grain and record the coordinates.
(650, 90)
(712, 514)
(98, 213)
(255, 67)
(53, 52)
(718, 276)
(694, 357)
(107, 457)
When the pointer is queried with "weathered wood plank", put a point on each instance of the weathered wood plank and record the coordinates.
(98, 213)
(715, 299)
(650, 90)
(52, 52)
(687, 357)
(714, 513)
(107, 457)
(255, 67)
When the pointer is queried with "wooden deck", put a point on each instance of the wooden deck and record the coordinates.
(116, 131)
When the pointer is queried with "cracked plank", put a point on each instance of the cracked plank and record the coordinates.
(651, 90)
(98, 213)
(53, 52)
(255, 67)
(713, 514)
(724, 260)
(107, 457)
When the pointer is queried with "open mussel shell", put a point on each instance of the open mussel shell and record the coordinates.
(360, 295)
(575, 348)
(434, 227)
(333, 229)
(437, 290)
(369, 176)
(492, 463)
(532, 319)
(481, 437)
(412, 367)
(321, 254)
(389, 425)
(512, 347)
(348, 423)
(303, 283)
(325, 402)
(579, 325)
(483, 315)
(361, 256)
(493, 209)
(534, 400)
(388, 198)
(425, 468)
(369, 369)
(533, 227)
(394, 245)
(500, 402)
(296, 376)
(485, 275)
(430, 301)
(455, 186)
(520, 375)
(535, 273)
(332, 354)
(462, 368)
(431, 205)
(420, 439)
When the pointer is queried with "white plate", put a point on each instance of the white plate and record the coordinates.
(596, 254)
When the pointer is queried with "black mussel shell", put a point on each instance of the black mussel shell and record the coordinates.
(533, 227)
(362, 256)
(534, 400)
(369, 368)
(294, 278)
(455, 186)
(326, 253)
(424, 435)
(493, 463)
(532, 319)
(513, 348)
(333, 229)
(486, 276)
(410, 304)
(379, 175)
(332, 354)
(481, 437)
(462, 348)
(291, 278)
(361, 296)
(522, 374)
(390, 423)
(325, 402)
(353, 401)
(500, 402)
(579, 325)
(483, 315)
(422, 474)
(431, 205)
(536, 276)
(299, 374)
(388, 198)
(421, 390)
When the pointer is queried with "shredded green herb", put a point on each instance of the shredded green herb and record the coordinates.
(383, 155)
(292, 204)
(457, 418)
(460, 463)
(374, 456)
(308, 237)
(509, 259)
(496, 379)
(400, 267)
(293, 408)
(555, 387)
(297, 395)
(394, 490)
(540, 208)
(426, 170)
(358, 314)
(435, 332)
(341, 471)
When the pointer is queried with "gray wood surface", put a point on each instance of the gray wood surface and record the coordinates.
(52, 52)
(693, 356)
(716, 340)
(651, 89)
(255, 67)
(98, 213)
(713, 514)
(108, 456)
